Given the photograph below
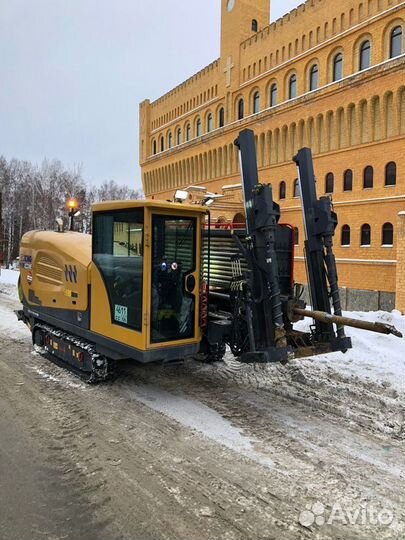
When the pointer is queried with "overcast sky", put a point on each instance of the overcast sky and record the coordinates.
(72, 73)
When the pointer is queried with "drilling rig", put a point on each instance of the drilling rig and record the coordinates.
(155, 282)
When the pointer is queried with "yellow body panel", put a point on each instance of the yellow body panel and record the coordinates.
(54, 267)
(101, 321)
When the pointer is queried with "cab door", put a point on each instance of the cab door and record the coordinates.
(175, 278)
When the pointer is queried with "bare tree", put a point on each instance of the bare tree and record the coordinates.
(34, 196)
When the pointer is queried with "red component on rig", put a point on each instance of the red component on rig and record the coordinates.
(204, 305)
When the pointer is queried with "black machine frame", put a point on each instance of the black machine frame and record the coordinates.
(268, 309)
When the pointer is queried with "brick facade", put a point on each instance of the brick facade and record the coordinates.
(400, 297)
(352, 123)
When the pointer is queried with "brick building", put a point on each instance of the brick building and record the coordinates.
(328, 75)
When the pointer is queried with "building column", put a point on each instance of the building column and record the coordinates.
(400, 288)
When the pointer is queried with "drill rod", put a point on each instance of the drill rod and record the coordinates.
(379, 327)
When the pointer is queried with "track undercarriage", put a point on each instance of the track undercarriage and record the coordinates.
(73, 353)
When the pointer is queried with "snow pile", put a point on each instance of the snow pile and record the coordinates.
(9, 277)
(375, 357)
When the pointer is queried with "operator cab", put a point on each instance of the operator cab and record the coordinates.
(146, 274)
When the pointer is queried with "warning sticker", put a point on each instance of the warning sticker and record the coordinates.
(121, 314)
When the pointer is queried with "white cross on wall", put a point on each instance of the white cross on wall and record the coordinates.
(228, 70)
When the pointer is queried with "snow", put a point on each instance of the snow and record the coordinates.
(198, 417)
(9, 277)
(60, 379)
(375, 357)
(9, 325)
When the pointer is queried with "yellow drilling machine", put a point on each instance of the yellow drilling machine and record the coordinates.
(155, 282)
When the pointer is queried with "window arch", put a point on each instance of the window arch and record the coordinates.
(255, 25)
(396, 42)
(296, 236)
(314, 77)
(154, 147)
(239, 221)
(162, 144)
(296, 188)
(368, 177)
(348, 180)
(365, 236)
(256, 102)
(273, 95)
(221, 117)
(188, 132)
(178, 136)
(365, 55)
(210, 123)
(292, 86)
(241, 109)
(391, 174)
(387, 234)
(282, 190)
(170, 140)
(338, 67)
(345, 236)
(198, 128)
(329, 183)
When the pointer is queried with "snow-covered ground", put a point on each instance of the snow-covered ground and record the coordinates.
(9, 277)
(326, 429)
(376, 357)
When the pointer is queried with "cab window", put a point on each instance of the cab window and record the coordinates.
(173, 283)
(118, 254)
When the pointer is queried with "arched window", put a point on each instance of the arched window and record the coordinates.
(329, 183)
(365, 55)
(296, 236)
(239, 221)
(296, 188)
(256, 102)
(388, 234)
(282, 190)
(396, 42)
(209, 123)
(221, 117)
(255, 26)
(314, 77)
(198, 128)
(241, 109)
(348, 180)
(273, 95)
(188, 132)
(345, 238)
(178, 136)
(162, 144)
(368, 177)
(338, 67)
(170, 140)
(391, 174)
(292, 87)
(365, 235)
(154, 147)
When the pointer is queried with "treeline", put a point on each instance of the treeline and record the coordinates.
(34, 196)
